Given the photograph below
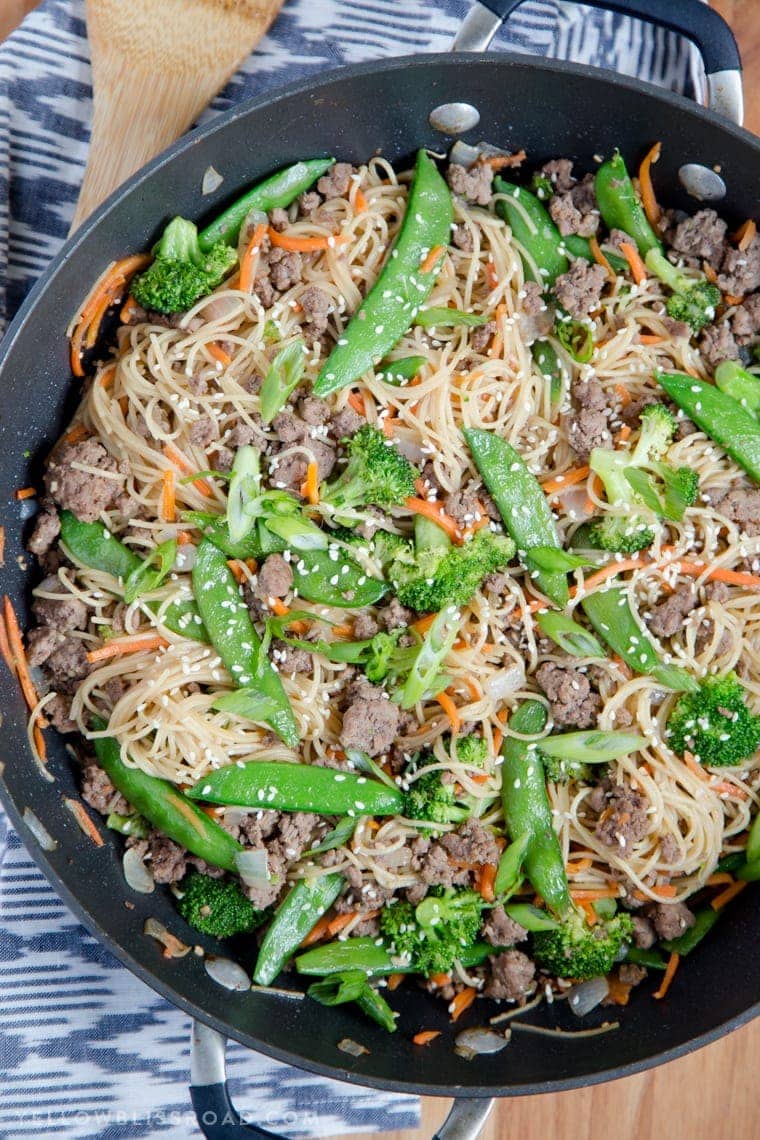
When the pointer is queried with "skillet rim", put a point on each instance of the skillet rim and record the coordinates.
(17, 328)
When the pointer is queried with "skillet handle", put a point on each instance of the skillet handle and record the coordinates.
(219, 1120)
(691, 18)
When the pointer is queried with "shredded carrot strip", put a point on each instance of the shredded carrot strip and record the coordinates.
(502, 161)
(439, 979)
(425, 1036)
(39, 742)
(663, 891)
(725, 787)
(600, 259)
(360, 201)
(745, 235)
(728, 895)
(356, 400)
(184, 537)
(492, 277)
(91, 313)
(497, 343)
(128, 310)
(588, 909)
(462, 1001)
(5, 649)
(394, 981)
(438, 515)
(709, 272)
(24, 493)
(126, 645)
(526, 611)
(310, 486)
(623, 435)
(344, 630)
(576, 868)
(594, 894)
(650, 338)
(85, 823)
(79, 431)
(179, 460)
(299, 628)
(719, 574)
(480, 778)
(670, 973)
(720, 879)
(168, 499)
(448, 706)
(485, 881)
(566, 479)
(619, 992)
(631, 255)
(250, 258)
(610, 571)
(473, 688)
(218, 353)
(278, 607)
(646, 189)
(18, 656)
(427, 265)
(335, 925)
(297, 244)
(695, 768)
(498, 739)
(107, 376)
(423, 624)
(317, 932)
(238, 572)
(623, 395)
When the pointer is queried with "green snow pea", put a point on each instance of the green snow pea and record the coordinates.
(374, 960)
(719, 416)
(302, 907)
(398, 372)
(619, 204)
(705, 920)
(739, 384)
(352, 985)
(394, 301)
(533, 228)
(547, 361)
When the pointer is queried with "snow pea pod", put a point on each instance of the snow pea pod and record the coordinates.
(161, 804)
(404, 283)
(302, 907)
(705, 920)
(375, 960)
(739, 384)
(352, 986)
(320, 577)
(225, 616)
(94, 546)
(549, 365)
(610, 614)
(297, 787)
(398, 372)
(280, 189)
(522, 503)
(719, 416)
(619, 204)
(532, 226)
(527, 810)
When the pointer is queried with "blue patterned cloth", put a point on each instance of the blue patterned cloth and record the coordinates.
(86, 1049)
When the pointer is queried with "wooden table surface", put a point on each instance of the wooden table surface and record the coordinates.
(699, 1096)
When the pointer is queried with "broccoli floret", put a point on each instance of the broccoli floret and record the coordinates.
(563, 771)
(714, 724)
(432, 935)
(386, 548)
(380, 655)
(377, 475)
(577, 950)
(449, 576)
(217, 906)
(627, 484)
(542, 186)
(694, 300)
(182, 272)
(430, 799)
(472, 749)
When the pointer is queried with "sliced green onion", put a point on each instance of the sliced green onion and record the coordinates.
(298, 532)
(245, 483)
(338, 837)
(365, 763)
(644, 486)
(448, 318)
(551, 560)
(549, 365)
(247, 703)
(508, 874)
(569, 635)
(283, 377)
(150, 574)
(432, 653)
(592, 747)
(577, 338)
(271, 334)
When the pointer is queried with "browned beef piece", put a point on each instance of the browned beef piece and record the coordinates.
(253, 828)
(285, 268)
(471, 843)
(222, 459)
(308, 202)
(115, 688)
(41, 643)
(718, 344)
(742, 506)
(286, 845)
(275, 578)
(462, 238)
(536, 319)
(669, 849)
(589, 427)
(167, 860)
(99, 792)
(676, 329)
(279, 219)
(83, 493)
(668, 617)
(67, 665)
(316, 307)
(434, 865)
(58, 712)
(705, 636)
(560, 171)
(643, 932)
(313, 410)
(579, 290)
(670, 920)
(370, 723)
(345, 423)
(481, 337)
(512, 975)
(745, 323)
(433, 485)
(394, 615)
(336, 182)
(289, 659)
(624, 820)
(365, 627)
(289, 471)
(473, 185)
(47, 527)
(204, 431)
(702, 236)
(67, 614)
(575, 211)
(740, 270)
(501, 930)
(574, 703)
(630, 974)
(463, 505)
(416, 893)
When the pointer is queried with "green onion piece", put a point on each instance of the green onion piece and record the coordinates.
(365, 763)
(592, 746)
(283, 377)
(151, 573)
(247, 703)
(134, 825)
(550, 366)
(448, 318)
(245, 484)
(338, 837)
(433, 651)
(568, 634)
(396, 372)
(531, 917)
(644, 486)
(508, 874)
(577, 338)
(652, 959)
(298, 532)
(271, 334)
(551, 560)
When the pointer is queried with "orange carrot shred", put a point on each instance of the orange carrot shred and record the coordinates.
(622, 394)
(462, 1001)
(218, 353)
(726, 788)
(498, 739)
(720, 879)
(619, 992)
(317, 932)
(631, 255)
(310, 486)
(278, 607)
(427, 265)
(566, 479)
(648, 199)
(485, 881)
(600, 259)
(501, 161)
(24, 493)
(85, 823)
(360, 201)
(250, 258)
(356, 400)
(168, 499)
(104, 294)
(695, 768)
(745, 235)
(492, 277)
(623, 435)
(5, 649)
(238, 572)
(18, 656)
(39, 742)
(425, 1036)
(299, 244)
(179, 460)
(732, 299)
(577, 868)
(593, 895)
(670, 973)
(346, 630)
(709, 272)
(128, 310)
(650, 338)
(728, 895)
(423, 624)
(118, 647)
(473, 688)
(448, 706)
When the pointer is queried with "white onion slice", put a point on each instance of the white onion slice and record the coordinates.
(227, 973)
(212, 180)
(39, 831)
(587, 995)
(173, 947)
(253, 867)
(137, 875)
(506, 681)
(353, 1048)
(479, 1040)
(186, 555)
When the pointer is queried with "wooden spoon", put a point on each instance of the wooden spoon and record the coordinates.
(155, 65)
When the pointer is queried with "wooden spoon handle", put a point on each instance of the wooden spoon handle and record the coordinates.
(155, 65)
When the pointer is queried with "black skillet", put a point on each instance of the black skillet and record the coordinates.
(392, 107)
